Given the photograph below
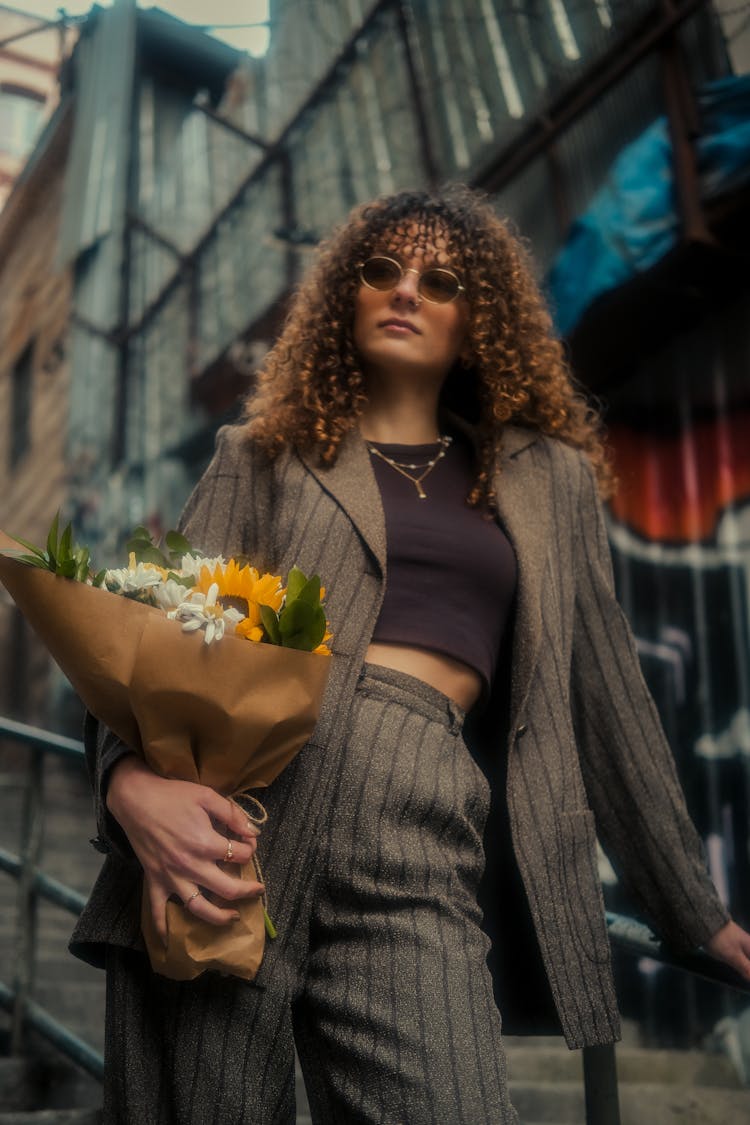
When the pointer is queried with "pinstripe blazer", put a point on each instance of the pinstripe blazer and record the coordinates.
(586, 751)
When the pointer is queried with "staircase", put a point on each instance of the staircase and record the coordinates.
(45, 1089)
(657, 1087)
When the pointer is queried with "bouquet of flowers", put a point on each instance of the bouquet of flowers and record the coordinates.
(209, 670)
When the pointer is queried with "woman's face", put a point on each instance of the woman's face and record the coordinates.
(399, 333)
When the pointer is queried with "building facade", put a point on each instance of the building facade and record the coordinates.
(31, 54)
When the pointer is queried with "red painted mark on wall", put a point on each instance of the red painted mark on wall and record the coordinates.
(674, 487)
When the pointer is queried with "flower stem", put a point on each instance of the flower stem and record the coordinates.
(270, 928)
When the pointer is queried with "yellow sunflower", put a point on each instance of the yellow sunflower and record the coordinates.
(247, 590)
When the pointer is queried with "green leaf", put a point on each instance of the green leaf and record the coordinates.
(270, 621)
(186, 580)
(295, 582)
(177, 544)
(31, 547)
(30, 560)
(141, 541)
(302, 625)
(98, 578)
(82, 558)
(66, 568)
(65, 544)
(52, 542)
(310, 592)
(151, 554)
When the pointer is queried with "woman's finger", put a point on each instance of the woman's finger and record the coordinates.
(226, 886)
(157, 901)
(198, 905)
(229, 814)
(236, 851)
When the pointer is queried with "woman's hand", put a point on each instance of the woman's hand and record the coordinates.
(179, 830)
(731, 944)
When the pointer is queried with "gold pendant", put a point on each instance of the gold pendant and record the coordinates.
(420, 491)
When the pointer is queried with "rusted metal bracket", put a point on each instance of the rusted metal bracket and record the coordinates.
(684, 129)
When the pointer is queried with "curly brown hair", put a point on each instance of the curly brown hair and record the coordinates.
(311, 389)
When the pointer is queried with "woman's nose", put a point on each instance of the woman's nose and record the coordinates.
(407, 289)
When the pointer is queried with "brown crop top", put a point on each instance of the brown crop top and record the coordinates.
(451, 570)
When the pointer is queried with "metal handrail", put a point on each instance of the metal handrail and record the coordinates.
(635, 937)
(599, 1064)
(33, 885)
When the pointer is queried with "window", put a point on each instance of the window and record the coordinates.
(21, 115)
(20, 406)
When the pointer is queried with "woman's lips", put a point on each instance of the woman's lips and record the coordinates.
(400, 326)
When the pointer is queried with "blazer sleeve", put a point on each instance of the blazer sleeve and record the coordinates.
(628, 768)
(217, 519)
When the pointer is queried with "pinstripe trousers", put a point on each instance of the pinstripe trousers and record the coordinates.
(384, 987)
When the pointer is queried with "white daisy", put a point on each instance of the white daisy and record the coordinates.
(192, 565)
(132, 580)
(201, 611)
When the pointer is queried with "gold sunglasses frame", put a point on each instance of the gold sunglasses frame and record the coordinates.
(410, 269)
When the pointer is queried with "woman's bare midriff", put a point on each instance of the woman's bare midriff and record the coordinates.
(452, 677)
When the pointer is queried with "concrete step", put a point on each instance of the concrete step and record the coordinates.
(641, 1104)
(634, 1065)
(19, 1079)
(45, 1082)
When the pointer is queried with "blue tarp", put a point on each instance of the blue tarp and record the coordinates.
(633, 221)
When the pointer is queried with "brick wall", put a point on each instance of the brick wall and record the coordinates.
(34, 310)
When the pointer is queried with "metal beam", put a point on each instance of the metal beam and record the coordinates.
(274, 152)
(648, 34)
(414, 65)
(230, 126)
(45, 25)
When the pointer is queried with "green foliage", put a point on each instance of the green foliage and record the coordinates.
(142, 545)
(301, 621)
(62, 556)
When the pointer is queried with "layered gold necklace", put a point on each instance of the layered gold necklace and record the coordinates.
(403, 467)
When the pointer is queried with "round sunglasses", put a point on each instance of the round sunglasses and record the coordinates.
(435, 284)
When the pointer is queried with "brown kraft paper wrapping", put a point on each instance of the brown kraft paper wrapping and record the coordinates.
(230, 715)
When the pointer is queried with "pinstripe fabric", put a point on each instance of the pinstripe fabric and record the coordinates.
(391, 1004)
(397, 1021)
(585, 751)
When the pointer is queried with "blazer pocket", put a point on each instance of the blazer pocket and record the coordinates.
(584, 901)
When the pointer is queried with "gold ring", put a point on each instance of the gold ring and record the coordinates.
(229, 854)
(195, 894)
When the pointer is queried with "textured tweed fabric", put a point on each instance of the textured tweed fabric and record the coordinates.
(585, 751)
(392, 1008)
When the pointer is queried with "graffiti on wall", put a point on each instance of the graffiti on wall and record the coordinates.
(680, 536)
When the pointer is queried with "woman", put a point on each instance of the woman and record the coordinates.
(415, 438)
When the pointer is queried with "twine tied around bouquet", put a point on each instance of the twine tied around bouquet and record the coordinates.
(259, 819)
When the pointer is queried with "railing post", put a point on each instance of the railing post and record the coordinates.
(26, 919)
(600, 1085)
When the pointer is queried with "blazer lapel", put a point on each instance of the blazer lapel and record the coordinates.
(351, 482)
(523, 498)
